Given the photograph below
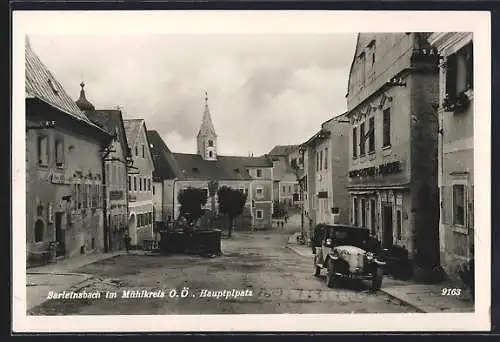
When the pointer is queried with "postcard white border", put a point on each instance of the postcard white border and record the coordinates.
(239, 22)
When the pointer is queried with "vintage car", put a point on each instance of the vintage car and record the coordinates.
(347, 252)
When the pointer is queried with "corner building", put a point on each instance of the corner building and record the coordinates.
(391, 101)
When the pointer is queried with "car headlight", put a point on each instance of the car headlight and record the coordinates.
(369, 256)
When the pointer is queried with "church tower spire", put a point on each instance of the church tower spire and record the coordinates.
(207, 139)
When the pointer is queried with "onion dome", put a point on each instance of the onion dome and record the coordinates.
(83, 103)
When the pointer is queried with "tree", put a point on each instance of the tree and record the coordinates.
(191, 201)
(231, 203)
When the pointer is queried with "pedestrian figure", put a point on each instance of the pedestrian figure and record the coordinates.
(282, 224)
(127, 240)
(286, 219)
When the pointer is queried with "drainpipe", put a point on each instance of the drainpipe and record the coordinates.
(173, 199)
(104, 202)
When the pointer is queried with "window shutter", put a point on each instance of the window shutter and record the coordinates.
(447, 204)
(451, 76)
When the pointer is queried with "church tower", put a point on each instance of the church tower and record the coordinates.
(207, 139)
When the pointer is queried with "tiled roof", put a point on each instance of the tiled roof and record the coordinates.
(132, 127)
(110, 120)
(41, 84)
(192, 166)
(165, 166)
(283, 150)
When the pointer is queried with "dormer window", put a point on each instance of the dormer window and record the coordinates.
(195, 169)
(210, 143)
(237, 170)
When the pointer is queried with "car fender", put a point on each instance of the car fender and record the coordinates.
(332, 256)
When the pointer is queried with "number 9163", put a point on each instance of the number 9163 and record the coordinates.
(451, 292)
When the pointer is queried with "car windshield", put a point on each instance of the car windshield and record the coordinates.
(343, 235)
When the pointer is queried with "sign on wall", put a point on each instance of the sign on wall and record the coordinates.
(116, 195)
(58, 178)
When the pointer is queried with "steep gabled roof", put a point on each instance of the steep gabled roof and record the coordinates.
(132, 129)
(165, 166)
(111, 120)
(42, 85)
(283, 150)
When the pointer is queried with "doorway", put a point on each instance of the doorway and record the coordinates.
(60, 236)
(387, 226)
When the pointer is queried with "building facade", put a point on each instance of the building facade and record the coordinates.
(64, 173)
(325, 180)
(140, 181)
(251, 175)
(392, 94)
(286, 192)
(116, 161)
(456, 148)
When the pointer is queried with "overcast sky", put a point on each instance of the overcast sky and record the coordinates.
(263, 90)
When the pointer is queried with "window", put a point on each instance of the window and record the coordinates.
(289, 189)
(260, 214)
(259, 192)
(362, 63)
(39, 228)
(355, 211)
(135, 183)
(371, 135)
(259, 173)
(459, 204)
(136, 151)
(326, 158)
(42, 150)
(153, 189)
(317, 161)
(108, 173)
(210, 143)
(321, 160)
(149, 184)
(460, 71)
(89, 196)
(84, 196)
(143, 155)
(129, 183)
(354, 143)
(363, 213)
(362, 139)
(284, 189)
(210, 154)
(386, 128)
(140, 184)
(79, 196)
(59, 153)
(373, 216)
(399, 224)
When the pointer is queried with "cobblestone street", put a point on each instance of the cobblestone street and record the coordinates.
(280, 282)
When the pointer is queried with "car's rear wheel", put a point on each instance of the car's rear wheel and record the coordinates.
(330, 274)
(377, 279)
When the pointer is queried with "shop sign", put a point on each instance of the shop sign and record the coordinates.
(382, 170)
(116, 195)
(58, 178)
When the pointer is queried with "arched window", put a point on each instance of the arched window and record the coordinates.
(39, 227)
(210, 154)
(210, 143)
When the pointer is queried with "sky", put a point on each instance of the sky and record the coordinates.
(263, 89)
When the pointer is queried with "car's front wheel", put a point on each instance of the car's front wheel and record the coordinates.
(330, 274)
(377, 279)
